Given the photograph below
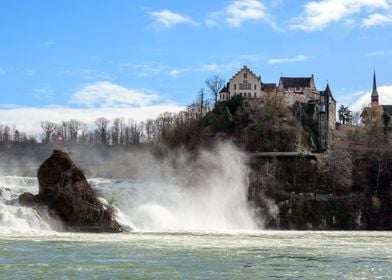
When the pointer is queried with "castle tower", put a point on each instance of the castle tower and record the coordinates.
(374, 96)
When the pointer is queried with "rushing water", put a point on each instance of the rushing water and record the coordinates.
(180, 233)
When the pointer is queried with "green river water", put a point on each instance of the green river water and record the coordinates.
(203, 255)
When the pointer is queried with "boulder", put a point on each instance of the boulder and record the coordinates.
(64, 189)
(28, 199)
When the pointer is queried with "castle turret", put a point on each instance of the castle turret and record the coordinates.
(374, 96)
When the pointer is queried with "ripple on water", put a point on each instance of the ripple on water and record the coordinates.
(281, 255)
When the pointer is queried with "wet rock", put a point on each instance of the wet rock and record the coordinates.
(28, 199)
(64, 188)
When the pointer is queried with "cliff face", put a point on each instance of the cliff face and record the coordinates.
(312, 195)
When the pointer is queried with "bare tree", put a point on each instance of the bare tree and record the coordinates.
(215, 85)
(116, 129)
(149, 130)
(6, 134)
(84, 135)
(135, 132)
(356, 120)
(16, 136)
(48, 128)
(73, 127)
(102, 124)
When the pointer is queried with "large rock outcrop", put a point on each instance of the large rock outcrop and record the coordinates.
(64, 189)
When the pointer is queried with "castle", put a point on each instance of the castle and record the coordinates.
(299, 93)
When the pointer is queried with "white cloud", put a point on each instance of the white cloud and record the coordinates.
(217, 68)
(30, 72)
(376, 53)
(376, 19)
(146, 69)
(96, 100)
(27, 119)
(168, 19)
(297, 58)
(87, 74)
(45, 93)
(238, 12)
(174, 73)
(106, 94)
(385, 98)
(318, 14)
(49, 43)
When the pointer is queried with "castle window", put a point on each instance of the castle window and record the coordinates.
(255, 87)
(245, 86)
(245, 75)
(235, 86)
(255, 94)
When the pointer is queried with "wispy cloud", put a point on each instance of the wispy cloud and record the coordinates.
(218, 68)
(168, 19)
(376, 53)
(30, 72)
(106, 94)
(2, 72)
(149, 69)
(376, 19)
(297, 58)
(240, 11)
(145, 69)
(87, 74)
(174, 73)
(49, 43)
(43, 93)
(319, 14)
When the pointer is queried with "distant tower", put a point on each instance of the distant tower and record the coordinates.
(374, 91)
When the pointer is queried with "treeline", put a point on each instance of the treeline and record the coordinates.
(118, 131)
(11, 134)
(121, 131)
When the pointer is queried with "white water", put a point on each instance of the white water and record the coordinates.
(13, 217)
(206, 194)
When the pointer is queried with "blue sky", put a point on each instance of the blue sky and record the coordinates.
(66, 59)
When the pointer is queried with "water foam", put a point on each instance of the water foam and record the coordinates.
(183, 193)
(208, 193)
(15, 218)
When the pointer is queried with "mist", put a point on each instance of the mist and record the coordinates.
(203, 190)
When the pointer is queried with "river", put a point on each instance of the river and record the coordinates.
(178, 233)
